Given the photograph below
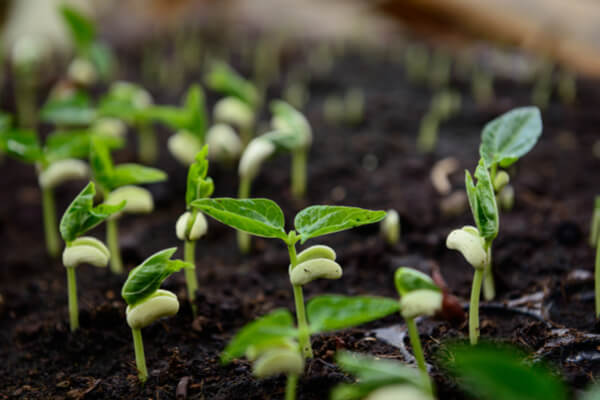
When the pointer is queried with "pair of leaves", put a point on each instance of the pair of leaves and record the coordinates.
(111, 177)
(325, 313)
(81, 215)
(147, 277)
(224, 79)
(373, 373)
(191, 117)
(73, 110)
(482, 200)
(509, 137)
(263, 217)
(500, 373)
(198, 185)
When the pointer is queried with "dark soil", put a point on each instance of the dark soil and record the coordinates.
(541, 242)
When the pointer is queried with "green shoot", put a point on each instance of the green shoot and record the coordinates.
(272, 342)
(416, 62)
(264, 218)
(482, 86)
(191, 226)
(379, 379)
(595, 242)
(147, 303)
(27, 57)
(567, 86)
(118, 183)
(503, 141)
(542, 88)
(419, 296)
(443, 105)
(349, 109)
(477, 371)
(80, 217)
(475, 243)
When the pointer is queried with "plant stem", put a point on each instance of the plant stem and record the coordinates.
(50, 224)
(299, 173)
(148, 147)
(489, 290)
(597, 277)
(189, 255)
(245, 135)
(25, 93)
(243, 238)
(303, 331)
(474, 306)
(72, 293)
(140, 358)
(290, 387)
(415, 342)
(112, 238)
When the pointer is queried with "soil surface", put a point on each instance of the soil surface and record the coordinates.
(541, 250)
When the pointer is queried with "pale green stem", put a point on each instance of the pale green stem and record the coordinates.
(50, 224)
(489, 290)
(290, 387)
(299, 173)
(25, 93)
(148, 146)
(246, 135)
(243, 238)
(415, 342)
(303, 331)
(189, 255)
(72, 292)
(474, 306)
(140, 357)
(597, 277)
(112, 239)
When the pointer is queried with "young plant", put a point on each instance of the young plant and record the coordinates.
(191, 225)
(57, 161)
(503, 141)
(93, 58)
(419, 296)
(595, 242)
(444, 105)
(264, 218)
(224, 145)
(80, 217)
(271, 342)
(131, 103)
(475, 243)
(492, 372)
(379, 379)
(147, 303)
(118, 183)
(241, 103)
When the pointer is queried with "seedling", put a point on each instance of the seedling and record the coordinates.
(390, 227)
(27, 57)
(503, 141)
(271, 342)
(475, 243)
(444, 105)
(349, 109)
(379, 379)
(56, 162)
(595, 242)
(264, 218)
(478, 371)
(241, 103)
(416, 62)
(80, 217)
(482, 85)
(224, 145)
(191, 225)
(419, 296)
(93, 58)
(118, 183)
(147, 303)
(567, 86)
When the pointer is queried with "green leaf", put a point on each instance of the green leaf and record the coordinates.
(482, 200)
(5, 121)
(75, 144)
(222, 78)
(82, 28)
(500, 373)
(81, 215)
(22, 145)
(103, 59)
(260, 217)
(321, 220)
(510, 136)
(333, 312)
(198, 185)
(72, 110)
(134, 174)
(270, 328)
(147, 277)
(126, 101)
(409, 279)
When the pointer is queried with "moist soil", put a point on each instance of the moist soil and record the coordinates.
(541, 251)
